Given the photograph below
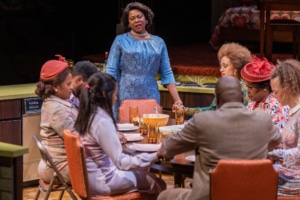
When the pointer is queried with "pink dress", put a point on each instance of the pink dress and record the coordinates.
(289, 169)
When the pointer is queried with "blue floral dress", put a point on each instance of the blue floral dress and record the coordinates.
(289, 168)
(135, 64)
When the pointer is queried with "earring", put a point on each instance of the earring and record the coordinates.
(55, 90)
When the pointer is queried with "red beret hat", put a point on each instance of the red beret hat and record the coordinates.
(258, 70)
(52, 68)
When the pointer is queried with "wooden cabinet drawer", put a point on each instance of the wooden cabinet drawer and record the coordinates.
(11, 132)
(10, 109)
(197, 99)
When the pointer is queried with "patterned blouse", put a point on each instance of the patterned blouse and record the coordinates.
(56, 115)
(278, 113)
(289, 169)
(213, 105)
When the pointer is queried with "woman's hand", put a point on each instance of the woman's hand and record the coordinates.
(122, 137)
(275, 159)
(176, 104)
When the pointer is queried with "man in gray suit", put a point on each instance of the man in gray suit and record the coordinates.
(230, 132)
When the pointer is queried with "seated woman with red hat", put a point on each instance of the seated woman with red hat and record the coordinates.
(57, 114)
(257, 75)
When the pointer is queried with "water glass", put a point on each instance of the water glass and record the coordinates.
(134, 115)
(179, 115)
(152, 134)
(143, 126)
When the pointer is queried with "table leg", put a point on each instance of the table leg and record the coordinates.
(179, 180)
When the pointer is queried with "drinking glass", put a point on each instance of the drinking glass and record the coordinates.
(143, 126)
(152, 134)
(134, 115)
(179, 115)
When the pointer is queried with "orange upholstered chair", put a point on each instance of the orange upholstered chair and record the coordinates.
(244, 179)
(287, 198)
(78, 172)
(145, 106)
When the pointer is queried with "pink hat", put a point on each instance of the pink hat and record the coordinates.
(52, 68)
(257, 70)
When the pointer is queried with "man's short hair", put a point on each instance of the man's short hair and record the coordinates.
(84, 69)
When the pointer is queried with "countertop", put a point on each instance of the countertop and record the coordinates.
(12, 150)
(17, 91)
(202, 90)
(27, 90)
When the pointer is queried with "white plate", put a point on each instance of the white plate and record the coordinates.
(162, 128)
(168, 130)
(145, 147)
(191, 158)
(133, 137)
(127, 127)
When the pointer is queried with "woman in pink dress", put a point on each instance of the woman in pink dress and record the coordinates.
(285, 83)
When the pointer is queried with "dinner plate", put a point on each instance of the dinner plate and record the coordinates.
(145, 147)
(191, 158)
(133, 137)
(127, 127)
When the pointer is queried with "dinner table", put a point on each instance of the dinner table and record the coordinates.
(181, 165)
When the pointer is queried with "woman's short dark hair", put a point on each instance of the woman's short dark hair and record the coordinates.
(46, 88)
(148, 13)
(262, 85)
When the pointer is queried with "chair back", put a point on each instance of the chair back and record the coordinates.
(244, 179)
(57, 183)
(77, 164)
(78, 172)
(145, 106)
(288, 198)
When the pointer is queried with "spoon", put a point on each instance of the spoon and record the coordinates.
(156, 111)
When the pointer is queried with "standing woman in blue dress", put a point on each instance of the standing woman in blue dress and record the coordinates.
(136, 57)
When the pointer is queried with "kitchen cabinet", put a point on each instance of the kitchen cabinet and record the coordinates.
(11, 132)
(18, 128)
(11, 121)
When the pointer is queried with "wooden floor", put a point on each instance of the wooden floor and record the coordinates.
(29, 193)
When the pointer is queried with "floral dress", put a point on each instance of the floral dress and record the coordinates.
(213, 105)
(278, 113)
(289, 168)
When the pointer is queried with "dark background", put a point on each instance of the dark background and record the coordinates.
(33, 31)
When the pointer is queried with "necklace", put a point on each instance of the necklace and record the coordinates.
(139, 34)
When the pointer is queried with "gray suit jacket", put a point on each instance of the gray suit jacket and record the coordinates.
(230, 132)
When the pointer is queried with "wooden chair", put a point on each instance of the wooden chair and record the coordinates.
(57, 182)
(244, 179)
(274, 25)
(78, 171)
(145, 106)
